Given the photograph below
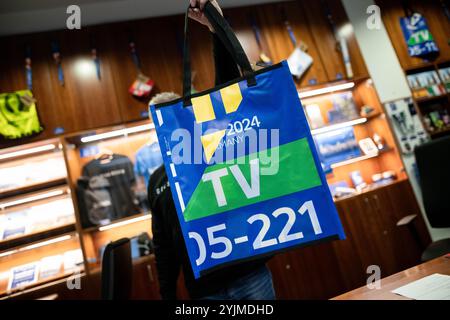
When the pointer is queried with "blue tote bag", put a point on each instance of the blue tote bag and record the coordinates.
(242, 166)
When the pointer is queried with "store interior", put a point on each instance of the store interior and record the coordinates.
(89, 123)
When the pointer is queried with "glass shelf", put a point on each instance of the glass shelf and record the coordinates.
(358, 159)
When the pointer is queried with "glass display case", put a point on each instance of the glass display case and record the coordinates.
(38, 239)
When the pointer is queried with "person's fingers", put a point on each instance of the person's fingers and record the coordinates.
(202, 4)
(192, 15)
(195, 15)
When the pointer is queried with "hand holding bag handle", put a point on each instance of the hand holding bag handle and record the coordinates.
(230, 41)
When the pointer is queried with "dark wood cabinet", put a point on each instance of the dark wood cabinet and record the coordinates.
(321, 271)
(372, 238)
(145, 281)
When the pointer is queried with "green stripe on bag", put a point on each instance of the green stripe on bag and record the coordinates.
(228, 186)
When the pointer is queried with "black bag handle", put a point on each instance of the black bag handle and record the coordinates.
(227, 37)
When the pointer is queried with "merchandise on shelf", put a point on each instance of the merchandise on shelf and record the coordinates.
(437, 120)
(148, 159)
(358, 180)
(15, 224)
(36, 218)
(50, 266)
(445, 76)
(18, 115)
(299, 62)
(141, 245)
(368, 146)
(367, 111)
(379, 141)
(314, 116)
(23, 275)
(380, 179)
(340, 189)
(105, 192)
(407, 125)
(47, 267)
(336, 146)
(344, 108)
(72, 260)
(32, 172)
(425, 84)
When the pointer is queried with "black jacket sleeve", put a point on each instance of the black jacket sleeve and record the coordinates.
(167, 263)
(226, 68)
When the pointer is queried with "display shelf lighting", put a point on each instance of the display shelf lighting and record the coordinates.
(36, 245)
(123, 223)
(47, 242)
(354, 160)
(32, 198)
(337, 126)
(24, 152)
(117, 133)
(317, 92)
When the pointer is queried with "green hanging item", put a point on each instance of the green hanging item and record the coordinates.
(18, 115)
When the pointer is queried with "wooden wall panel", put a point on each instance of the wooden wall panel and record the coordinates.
(87, 103)
(324, 39)
(238, 19)
(124, 71)
(343, 23)
(84, 101)
(280, 43)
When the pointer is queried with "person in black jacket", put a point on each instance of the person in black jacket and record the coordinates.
(250, 280)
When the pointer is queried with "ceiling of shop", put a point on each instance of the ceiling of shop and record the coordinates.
(24, 16)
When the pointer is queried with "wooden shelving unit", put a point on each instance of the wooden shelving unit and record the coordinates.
(427, 99)
(440, 133)
(123, 221)
(9, 294)
(361, 158)
(387, 159)
(439, 27)
(33, 187)
(372, 188)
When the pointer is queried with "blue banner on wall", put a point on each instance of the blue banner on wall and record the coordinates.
(418, 37)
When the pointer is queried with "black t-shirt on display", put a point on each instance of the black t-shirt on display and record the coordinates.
(119, 172)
